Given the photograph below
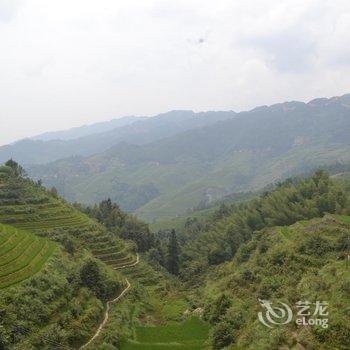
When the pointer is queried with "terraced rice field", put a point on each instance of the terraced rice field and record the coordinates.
(55, 215)
(144, 275)
(30, 208)
(43, 217)
(113, 252)
(22, 254)
(189, 335)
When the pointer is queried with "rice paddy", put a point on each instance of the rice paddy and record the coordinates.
(189, 335)
(22, 254)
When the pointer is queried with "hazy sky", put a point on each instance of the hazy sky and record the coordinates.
(66, 63)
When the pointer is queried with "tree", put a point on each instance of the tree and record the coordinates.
(90, 274)
(121, 224)
(17, 169)
(53, 191)
(217, 309)
(173, 254)
(222, 335)
(4, 339)
(95, 278)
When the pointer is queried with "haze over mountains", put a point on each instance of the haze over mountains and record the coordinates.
(86, 130)
(162, 166)
(136, 130)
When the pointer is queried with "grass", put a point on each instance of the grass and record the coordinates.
(190, 334)
(178, 222)
(22, 254)
(343, 218)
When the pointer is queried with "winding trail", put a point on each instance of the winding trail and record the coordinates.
(129, 265)
(108, 305)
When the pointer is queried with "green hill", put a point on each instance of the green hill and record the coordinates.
(57, 267)
(288, 245)
(302, 262)
(59, 264)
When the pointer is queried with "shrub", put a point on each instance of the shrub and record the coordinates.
(316, 245)
(222, 335)
(216, 311)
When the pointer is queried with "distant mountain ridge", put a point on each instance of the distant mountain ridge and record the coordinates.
(136, 132)
(86, 130)
(247, 151)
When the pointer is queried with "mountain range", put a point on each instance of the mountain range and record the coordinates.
(99, 137)
(163, 166)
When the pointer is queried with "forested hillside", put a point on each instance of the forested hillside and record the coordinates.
(302, 262)
(58, 267)
(287, 245)
(230, 226)
(194, 288)
(165, 178)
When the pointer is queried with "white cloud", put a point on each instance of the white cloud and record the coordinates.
(65, 63)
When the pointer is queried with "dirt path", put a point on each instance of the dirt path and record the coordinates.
(108, 305)
(129, 265)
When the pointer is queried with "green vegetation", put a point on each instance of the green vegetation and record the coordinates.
(294, 200)
(55, 308)
(191, 335)
(22, 254)
(344, 218)
(156, 304)
(278, 246)
(196, 288)
(173, 254)
(27, 205)
(53, 290)
(301, 262)
(120, 223)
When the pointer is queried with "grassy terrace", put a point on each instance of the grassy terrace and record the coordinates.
(22, 254)
(41, 217)
(113, 252)
(188, 335)
(27, 206)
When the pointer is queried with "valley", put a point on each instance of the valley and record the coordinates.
(174, 175)
(232, 221)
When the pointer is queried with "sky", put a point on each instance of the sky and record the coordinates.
(65, 63)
